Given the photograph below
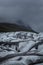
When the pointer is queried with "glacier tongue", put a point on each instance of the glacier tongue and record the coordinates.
(17, 42)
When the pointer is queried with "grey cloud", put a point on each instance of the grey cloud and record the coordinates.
(30, 11)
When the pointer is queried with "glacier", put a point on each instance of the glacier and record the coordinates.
(13, 43)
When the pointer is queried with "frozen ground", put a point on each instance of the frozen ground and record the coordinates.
(21, 47)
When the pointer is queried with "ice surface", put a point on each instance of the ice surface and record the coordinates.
(20, 42)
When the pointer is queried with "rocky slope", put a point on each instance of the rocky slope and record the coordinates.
(9, 27)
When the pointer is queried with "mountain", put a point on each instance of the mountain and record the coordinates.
(10, 27)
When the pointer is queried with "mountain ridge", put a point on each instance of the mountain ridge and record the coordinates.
(9, 27)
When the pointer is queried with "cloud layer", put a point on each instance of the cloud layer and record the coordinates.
(29, 11)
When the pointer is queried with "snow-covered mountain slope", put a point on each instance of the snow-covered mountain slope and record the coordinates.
(12, 44)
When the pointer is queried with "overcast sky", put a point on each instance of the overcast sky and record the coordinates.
(29, 11)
